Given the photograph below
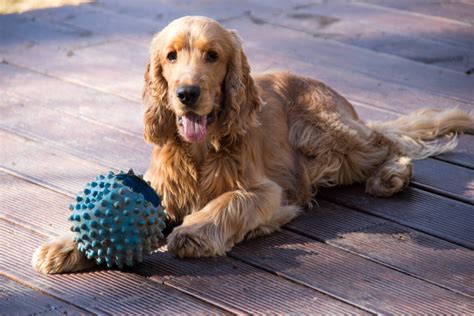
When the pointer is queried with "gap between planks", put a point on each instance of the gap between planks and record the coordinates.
(32, 301)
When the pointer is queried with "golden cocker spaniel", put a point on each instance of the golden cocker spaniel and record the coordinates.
(238, 157)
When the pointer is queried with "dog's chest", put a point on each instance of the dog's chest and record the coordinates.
(188, 184)
(218, 174)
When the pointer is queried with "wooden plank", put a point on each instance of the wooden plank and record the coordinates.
(403, 22)
(149, 9)
(46, 166)
(233, 284)
(435, 215)
(42, 90)
(99, 292)
(463, 154)
(332, 54)
(444, 178)
(421, 255)
(34, 207)
(112, 24)
(20, 32)
(460, 11)
(318, 51)
(111, 68)
(217, 280)
(349, 277)
(78, 136)
(355, 86)
(331, 24)
(17, 299)
(372, 113)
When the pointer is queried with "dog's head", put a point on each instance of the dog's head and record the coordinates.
(198, 84)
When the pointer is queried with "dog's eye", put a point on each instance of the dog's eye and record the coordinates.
(171, 56)
(211, 56)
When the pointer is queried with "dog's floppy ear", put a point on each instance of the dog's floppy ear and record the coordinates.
(241, 99)
(159, 120)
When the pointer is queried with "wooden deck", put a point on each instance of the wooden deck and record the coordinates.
(70, 108)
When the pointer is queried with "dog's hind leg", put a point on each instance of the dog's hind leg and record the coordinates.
(416, 136)
(60, 255)
(391, 177)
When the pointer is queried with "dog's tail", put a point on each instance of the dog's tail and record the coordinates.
(418, 131)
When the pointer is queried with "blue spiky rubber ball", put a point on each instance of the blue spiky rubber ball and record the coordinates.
(117, 219)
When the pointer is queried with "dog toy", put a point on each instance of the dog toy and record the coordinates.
(117, 219)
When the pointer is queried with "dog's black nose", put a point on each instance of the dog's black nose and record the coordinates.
(188, 95)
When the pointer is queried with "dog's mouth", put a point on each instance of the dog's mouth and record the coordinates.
(194, 126)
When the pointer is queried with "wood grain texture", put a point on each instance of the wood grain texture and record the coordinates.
(403, 22)
(146, 9)
(317, 51)
(348, 277)
(24, 86)
(98, 292)
(33, 206)
(232, 284)
(18, 299)
(363, 62)
(77, 135)
(328, 21)
(463, 154)
(359, 87)
(104, 65)
(21, 32)
(46, 166)
(459, 11)
(421, 255)
(444, 178)
(435, 215)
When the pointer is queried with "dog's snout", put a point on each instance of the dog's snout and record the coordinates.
(188, 95)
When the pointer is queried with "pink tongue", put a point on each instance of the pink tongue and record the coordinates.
(194, 126)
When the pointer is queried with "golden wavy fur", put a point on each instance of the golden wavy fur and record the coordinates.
(251, 152)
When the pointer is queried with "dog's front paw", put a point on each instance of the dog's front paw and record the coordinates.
(189, 241)
(59, 256)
